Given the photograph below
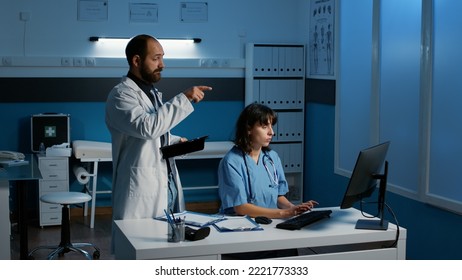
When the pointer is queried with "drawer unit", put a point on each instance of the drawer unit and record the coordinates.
(55, 178)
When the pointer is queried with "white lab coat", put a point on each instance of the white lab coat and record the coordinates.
(140, 180)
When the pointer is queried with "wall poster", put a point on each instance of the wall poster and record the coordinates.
(321, 41)
(92, 10)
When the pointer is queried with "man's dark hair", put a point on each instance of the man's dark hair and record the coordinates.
(138, 45)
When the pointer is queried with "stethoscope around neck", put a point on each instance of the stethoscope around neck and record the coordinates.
(273, 174)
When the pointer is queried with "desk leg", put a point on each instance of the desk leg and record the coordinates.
(93, 194)
(22, 220)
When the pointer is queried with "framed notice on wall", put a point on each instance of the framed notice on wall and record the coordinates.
(193, 11)
(143, 12)
(92, 10)
(321, 49)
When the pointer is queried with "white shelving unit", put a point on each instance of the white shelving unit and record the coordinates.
(275, 77)
(55, 178)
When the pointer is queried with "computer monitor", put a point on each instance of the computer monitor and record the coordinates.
(363, 182)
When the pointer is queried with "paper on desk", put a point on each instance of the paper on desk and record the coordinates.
(237, 223)
(196, 219)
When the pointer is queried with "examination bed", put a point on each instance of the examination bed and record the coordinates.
(93, 152)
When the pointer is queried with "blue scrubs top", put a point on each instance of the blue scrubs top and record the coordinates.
(233, 180)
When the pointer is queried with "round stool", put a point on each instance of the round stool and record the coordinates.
(65, 246)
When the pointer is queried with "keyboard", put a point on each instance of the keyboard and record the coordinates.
(304, 219)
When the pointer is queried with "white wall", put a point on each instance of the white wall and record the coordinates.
(35, 47)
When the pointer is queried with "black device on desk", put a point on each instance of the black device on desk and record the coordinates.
(304, 219)
(196, 234)
(182, 148)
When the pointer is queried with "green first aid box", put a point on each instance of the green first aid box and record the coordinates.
(49, 129)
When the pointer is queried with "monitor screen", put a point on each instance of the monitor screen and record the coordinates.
(363, 180)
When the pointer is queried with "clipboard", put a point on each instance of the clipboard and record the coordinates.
(196, 219)
(182, 148)
(236, 224)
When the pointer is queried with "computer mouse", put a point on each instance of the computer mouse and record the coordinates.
(263, 220)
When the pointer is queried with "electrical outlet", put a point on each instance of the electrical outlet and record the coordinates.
(7, 61)
(66, 61)
(215, 63)
(225, 63)
(79, 61)
(90, 62)
(205, 63)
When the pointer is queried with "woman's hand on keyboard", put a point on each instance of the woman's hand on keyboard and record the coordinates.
(310, 204)
(289, 210)
(295, 210)
(305, 206)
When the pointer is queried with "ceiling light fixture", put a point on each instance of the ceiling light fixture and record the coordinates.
(122, 39)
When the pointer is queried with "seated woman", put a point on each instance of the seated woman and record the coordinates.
(251, 179)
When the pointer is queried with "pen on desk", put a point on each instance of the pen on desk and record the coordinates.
(173, 216)
(175, 220)
(169, 219)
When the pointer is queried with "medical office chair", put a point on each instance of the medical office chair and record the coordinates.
(65, 246)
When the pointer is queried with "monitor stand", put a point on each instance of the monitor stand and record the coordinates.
(372, 224)
(381, 224)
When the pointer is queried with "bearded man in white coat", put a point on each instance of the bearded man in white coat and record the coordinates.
(144, 184)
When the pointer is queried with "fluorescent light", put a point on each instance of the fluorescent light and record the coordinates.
(162, 40)
(176, 41)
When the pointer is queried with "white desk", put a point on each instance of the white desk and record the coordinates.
(147, 239)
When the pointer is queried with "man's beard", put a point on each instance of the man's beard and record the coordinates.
(150, 76)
